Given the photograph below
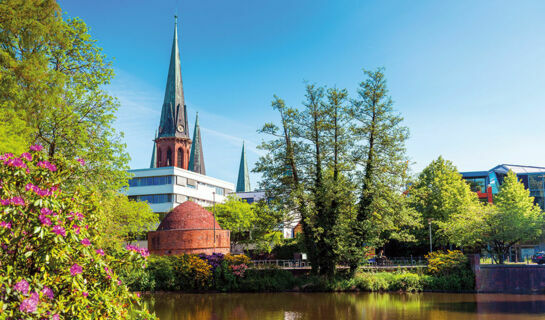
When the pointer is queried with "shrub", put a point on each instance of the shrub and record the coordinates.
(50, 266)
(266, 280)
(191, 272)
(444, 263)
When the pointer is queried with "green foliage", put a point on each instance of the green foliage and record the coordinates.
(312, 168)
(254, 223)
(513, 218)
(440, 194)
(53, 77)
(443, 263)
(51, 264)
(123, 220)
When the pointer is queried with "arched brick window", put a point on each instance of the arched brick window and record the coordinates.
(158, 157)
(180, 158)
(169, 157)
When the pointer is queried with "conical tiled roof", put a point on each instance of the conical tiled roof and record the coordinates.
(188, 215)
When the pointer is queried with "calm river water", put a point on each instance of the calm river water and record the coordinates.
(380, 306)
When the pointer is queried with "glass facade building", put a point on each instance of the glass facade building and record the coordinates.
(532, 177)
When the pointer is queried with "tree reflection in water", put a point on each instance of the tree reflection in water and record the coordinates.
(387, 306)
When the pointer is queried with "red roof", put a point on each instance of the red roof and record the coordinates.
(188, 215)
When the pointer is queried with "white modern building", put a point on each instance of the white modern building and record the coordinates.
(165, 188)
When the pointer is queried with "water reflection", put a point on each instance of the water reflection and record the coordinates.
(387, 306)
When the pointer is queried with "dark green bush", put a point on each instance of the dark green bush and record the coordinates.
(266, 280)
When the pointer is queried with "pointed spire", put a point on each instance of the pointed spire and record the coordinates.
(153, 163)
(173, 114)
(196, 158)
(243, 182)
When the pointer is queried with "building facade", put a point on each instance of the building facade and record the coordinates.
(487, 183)
(167, 187)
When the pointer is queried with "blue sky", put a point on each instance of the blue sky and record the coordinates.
(467, 76)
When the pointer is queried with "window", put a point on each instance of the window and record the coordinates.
(155, 198)
(169, 157)
(150, 181)
(181, 198)
(477, 184)
(191, 183)
(180, 158)
(220, 191)
(181, 181)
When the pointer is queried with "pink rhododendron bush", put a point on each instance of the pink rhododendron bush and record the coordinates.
(50, 267)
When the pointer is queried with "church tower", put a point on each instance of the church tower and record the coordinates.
(172, 144)
(196, 159)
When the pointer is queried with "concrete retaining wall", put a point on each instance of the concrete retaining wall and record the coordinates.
(508, 278)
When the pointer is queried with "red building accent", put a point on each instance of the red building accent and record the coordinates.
(173, 152)
(486, 195)
(189, 228)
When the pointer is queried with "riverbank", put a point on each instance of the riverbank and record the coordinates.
(234, 273)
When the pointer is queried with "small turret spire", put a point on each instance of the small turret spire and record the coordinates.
(196, 158)
(153, 163)
(243, 181)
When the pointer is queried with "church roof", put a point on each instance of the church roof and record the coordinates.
(173, 121)
(188, 215)
(243, 181)
(196, 158)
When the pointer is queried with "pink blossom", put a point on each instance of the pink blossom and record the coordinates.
(75, 269)
(17, 201)
(45, 220)
(100, 252)
(4, 202)
(59, 230)
(76, 229)
(80, 160)
(55, 317)
(46, 211)
(48, 293)
(22, 286)
(15, 162)
(85, 242)
(138, 294)
(30, 304)
(6, 156)
(6, 225)
(85, 294)
(46, 164)
(26, 156)
(119, 282)
(36, 147)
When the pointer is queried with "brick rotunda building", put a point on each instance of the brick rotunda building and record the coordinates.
(188, 228)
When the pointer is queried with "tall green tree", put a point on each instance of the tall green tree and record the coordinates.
(440, 194)
(380, 152)
(52, 80)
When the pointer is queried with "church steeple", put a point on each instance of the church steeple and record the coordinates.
(153, 163)
(173, 113)
(196, 159)
(172, 142)
(243, 182)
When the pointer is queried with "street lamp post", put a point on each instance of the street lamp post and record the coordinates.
(429, 227)
(214, 215)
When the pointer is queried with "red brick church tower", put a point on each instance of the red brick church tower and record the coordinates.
(172, 144)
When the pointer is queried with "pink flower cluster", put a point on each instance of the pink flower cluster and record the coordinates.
(81, 161)
(27, 156)
(59, 230)
(6, 225)
(36, 147)
(47, 164)
(100, 252)
(76, 269)
(15, 162)
(22, 286)
(86, 242)
(78, 216)
(239, 269)
(30, 304)
(47, 292)
(16, 201)
(41, 192)
(143, 251)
